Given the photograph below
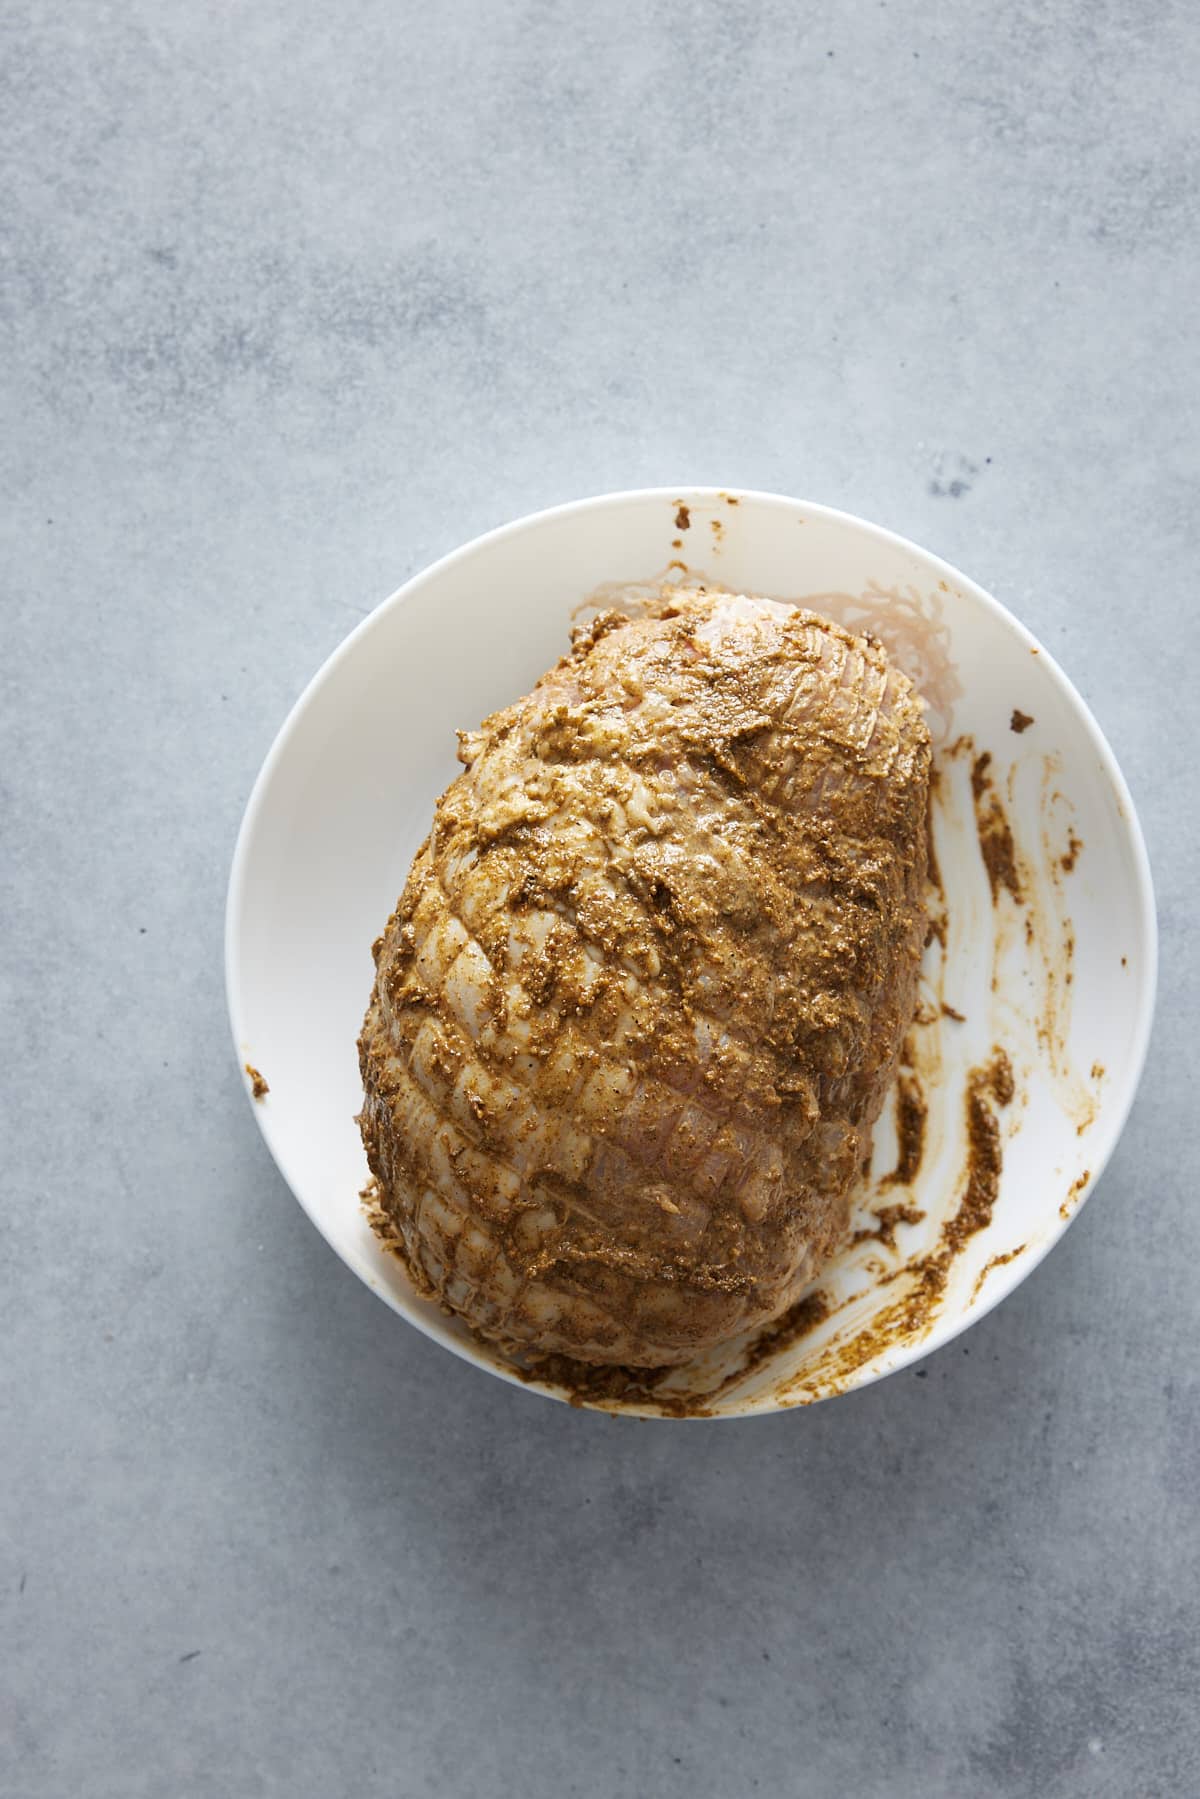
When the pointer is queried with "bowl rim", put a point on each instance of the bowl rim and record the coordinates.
(1115, 1115)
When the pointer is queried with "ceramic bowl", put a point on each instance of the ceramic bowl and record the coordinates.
(1044, 961)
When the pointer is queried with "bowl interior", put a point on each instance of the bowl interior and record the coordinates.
(1047, 951)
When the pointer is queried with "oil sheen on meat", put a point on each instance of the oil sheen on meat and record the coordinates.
(641, 1000)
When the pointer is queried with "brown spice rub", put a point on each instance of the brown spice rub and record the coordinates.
(1074, 1192)
(934, 867)
(911, 1114)
(886, 1220)
(993, 1083)
(995, 834)
(258, 1085)
(1074, 845)
(1000, 1261)
(683, 519)
(1020, 721)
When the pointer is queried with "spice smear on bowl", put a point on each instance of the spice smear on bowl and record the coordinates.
(258, 1085)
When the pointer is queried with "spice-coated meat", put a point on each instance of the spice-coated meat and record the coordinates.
(640, 1002)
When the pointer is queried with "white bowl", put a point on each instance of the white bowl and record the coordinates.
(1064, 981)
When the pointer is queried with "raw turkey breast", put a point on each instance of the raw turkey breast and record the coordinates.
(641, 1000)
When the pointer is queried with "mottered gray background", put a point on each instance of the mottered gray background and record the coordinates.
(294, 300)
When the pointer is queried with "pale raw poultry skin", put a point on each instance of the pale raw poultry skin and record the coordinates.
(641, 1000)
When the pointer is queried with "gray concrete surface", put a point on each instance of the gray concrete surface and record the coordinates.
(296, 299)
